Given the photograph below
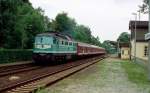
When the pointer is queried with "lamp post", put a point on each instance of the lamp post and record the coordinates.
(135, 36)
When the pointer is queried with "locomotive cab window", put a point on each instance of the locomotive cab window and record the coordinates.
(43, 40)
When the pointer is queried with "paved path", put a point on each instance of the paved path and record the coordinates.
(104, 77)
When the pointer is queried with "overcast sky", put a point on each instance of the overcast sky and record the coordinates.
(106, 18)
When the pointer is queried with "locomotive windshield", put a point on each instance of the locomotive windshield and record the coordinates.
(43, 40)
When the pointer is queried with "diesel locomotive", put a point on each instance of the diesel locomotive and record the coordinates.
(53, 47)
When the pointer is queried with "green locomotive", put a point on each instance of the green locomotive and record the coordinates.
(53, 46)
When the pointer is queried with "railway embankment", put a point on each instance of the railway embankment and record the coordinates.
(108, 76)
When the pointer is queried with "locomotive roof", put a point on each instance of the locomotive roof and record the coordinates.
(88, 45)
(56, 34)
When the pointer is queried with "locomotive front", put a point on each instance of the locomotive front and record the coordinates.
(42, 46)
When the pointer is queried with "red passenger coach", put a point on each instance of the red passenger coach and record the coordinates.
(87, 49)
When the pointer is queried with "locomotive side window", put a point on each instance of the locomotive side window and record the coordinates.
(66, 43)
(62, 42)
(41, 39)
(74, 44)
(54, 40)
(70, 43)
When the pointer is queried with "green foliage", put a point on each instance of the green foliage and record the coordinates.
(15, 55)
(64, 24)
(20, 22)
(7, 20)
(124, 37)
(109, 47)
(96, 41)
(82, 34)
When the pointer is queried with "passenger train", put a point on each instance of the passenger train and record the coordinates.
(55, 47)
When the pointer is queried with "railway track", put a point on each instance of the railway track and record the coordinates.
(8, 70)
(43, 77)
(14, 67)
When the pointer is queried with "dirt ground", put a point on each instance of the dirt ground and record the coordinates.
(106, 76)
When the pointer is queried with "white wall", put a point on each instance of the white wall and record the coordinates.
(126, 53)
(139, 49)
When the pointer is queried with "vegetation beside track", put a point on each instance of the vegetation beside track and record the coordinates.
(13, 55)
(136, 73)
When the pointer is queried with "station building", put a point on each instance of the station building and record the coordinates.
(124, 50)
(141, 43)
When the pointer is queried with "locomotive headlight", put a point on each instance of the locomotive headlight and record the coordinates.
(46, 46)
(42, 46)
(37, 46)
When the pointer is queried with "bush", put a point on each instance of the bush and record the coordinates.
(12, 55)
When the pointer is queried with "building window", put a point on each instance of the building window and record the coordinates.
(122, 52)
(128, 52)
(145, 51)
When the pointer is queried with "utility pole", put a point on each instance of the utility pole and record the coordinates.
(149, 46)
(118, 49)
(135, 36)
(139, 15)
(147, 37)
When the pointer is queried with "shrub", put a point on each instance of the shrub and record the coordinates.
(12, 55)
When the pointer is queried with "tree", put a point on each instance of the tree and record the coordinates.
(64, 24)
(82, 34)
(144, 7)
(7, 21)
(124, 37)
(20, 22)
(95, 41)
(108, 47)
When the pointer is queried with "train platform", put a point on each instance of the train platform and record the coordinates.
(15, 63)
(107, 76)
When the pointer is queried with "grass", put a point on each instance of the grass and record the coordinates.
(136, 73)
